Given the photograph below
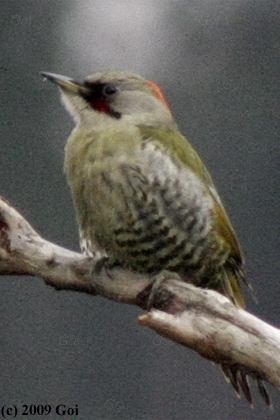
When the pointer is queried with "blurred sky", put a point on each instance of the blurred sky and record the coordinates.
(218, 62)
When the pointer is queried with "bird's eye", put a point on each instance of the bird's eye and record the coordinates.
(109, 90)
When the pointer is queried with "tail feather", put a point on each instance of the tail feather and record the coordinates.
(230, 377)
(244, 383)
(238, 378)
(264, 393)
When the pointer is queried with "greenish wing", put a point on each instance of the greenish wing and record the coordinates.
(180, 148)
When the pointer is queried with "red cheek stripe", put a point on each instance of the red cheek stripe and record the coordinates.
(101, 106)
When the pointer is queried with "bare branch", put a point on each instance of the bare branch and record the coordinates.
(24, 252)
(210, 324)
(203, 320)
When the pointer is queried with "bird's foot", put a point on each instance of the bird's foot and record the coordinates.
(155, 284)
(102, 264)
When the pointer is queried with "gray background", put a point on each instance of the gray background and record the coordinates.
(218, 62)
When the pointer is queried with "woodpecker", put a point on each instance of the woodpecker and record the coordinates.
(144, 199)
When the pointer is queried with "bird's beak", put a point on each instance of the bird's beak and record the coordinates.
(65, 83)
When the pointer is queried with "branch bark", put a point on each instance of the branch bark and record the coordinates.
(200, 319)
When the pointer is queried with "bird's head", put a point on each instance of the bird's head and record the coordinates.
(113, 97)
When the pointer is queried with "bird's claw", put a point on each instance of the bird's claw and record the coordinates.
(156, 283)
(102, 264)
